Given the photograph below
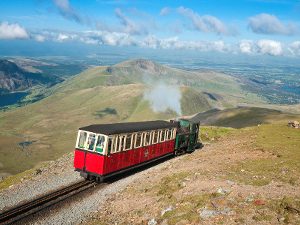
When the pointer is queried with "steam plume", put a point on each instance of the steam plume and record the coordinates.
(163, 97)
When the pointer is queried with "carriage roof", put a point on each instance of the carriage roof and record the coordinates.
(119, 128)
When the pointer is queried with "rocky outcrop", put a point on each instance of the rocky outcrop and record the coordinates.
(294, 124)
(14, 78)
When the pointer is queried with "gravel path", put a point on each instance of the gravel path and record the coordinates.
(57, 174)
(71, 211)
(75, 210)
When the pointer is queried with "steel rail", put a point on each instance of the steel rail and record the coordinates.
(22, 210)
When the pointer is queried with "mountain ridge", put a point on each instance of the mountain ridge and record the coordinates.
(14, 78)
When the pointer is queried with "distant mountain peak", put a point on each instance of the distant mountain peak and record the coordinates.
(143, 65)
(14, 78)
(9, 67)
(137, 62)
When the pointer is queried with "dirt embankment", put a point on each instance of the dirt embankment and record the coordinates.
(209, 186)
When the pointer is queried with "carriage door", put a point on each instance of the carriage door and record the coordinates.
(90, 144)
(80, 152)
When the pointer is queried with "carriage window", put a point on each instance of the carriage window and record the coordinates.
(121, 143)
(114, 146)
(173, 133)
(128, 142)
(168, 134)
(138, 140)
(91, 142)
(163, 135)
(100, 143)
(82, 138)
(109, 145)
(155, 135)
(159, 136)
(147, 138)
(151, 136)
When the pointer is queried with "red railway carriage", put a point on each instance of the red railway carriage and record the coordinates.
(104, 150)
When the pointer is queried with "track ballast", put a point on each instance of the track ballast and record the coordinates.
(20, 211)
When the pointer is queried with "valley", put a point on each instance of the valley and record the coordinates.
(25, 80)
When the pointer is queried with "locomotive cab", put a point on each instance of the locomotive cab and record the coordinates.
(187, 136)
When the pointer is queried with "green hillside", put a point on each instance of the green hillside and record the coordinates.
(244, 117)
(46, 129)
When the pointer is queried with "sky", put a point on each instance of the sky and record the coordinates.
(247, 27)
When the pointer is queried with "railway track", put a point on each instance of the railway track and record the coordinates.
(23, 210)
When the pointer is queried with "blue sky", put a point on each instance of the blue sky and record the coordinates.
(266, 27)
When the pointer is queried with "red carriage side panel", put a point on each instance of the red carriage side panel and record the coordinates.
(125, 159)
(94, 163)
(79, 158)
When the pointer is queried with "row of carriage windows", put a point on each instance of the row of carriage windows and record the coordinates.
(116, 143)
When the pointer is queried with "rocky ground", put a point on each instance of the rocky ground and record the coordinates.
(52, 176)
(201, 188)
(209, 186)
(38, 181)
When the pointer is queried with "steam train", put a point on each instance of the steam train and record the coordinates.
(105, 150)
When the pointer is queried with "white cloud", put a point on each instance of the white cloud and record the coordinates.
(62, 37)
(246, 46)
(206, 23)
(294, 48)
(129, 26)
(165, 11)
(174, 43)
(269, 47)
(270, 24)
(67, 11)
(266, 47)
(87, 37)
(89, 41)
(116, 39)
(12, 31)
(108, 38)
(218, 46)
(39, 38)
(151, 42)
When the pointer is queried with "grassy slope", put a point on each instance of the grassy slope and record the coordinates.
(283, 144)
(248, 198)
(193, 101)
(244, 117)
(52, 123)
